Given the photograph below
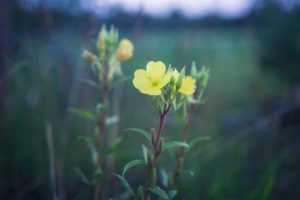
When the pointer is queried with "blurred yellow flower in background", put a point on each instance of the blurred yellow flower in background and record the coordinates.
(187, 86)
(125, 50)
(153, 79)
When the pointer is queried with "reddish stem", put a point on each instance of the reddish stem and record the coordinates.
(180, 153)
(102, 146)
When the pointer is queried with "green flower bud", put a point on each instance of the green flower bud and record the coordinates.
(180, 78)
(194, 70)
(203, 77)
(102, 38)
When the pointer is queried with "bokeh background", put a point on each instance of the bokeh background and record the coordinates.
(252, 111)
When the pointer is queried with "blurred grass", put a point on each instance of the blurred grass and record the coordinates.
(49, 84)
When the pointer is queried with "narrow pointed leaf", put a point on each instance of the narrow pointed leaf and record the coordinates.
(144, 133)
(197, 140)
(131, 164)
(114, 145)
(175, 144)
(85, 139)
(145, 153)
(82, 113)
(83, 176)
(94, 153)
(91, 83)
(172, 194)
(97, 175)
(164, 177)
(125, 184)
(160, 192)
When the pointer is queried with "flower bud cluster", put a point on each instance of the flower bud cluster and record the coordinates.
(111, 53)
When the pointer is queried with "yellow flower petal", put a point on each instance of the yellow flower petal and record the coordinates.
(153, 79)
(145, 86)
(188, 86)
(166, 79)
(156, 71)
(140, 72)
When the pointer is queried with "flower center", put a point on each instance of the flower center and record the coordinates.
(155, 82)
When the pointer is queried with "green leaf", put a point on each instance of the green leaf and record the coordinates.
(141, 131)
(131, 164)
(181, 103)
(114, 145)
(172, 194)
(164, 177)
(125, 184)
(112, 120)
(85, 139)
(91, 83)
(94, 153)
(197, 140)
(91, 144)
(97, 175)
(82, 113)
(160, 192)
(175, 144)
(145, 153)
(83, 176)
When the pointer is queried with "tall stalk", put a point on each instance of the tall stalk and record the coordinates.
(157, 144)
(102, 144)
(181, 152)
(107, 66)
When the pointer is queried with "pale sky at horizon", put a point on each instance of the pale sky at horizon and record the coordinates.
(161, 8)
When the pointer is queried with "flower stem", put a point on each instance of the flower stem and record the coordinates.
(102, 145)
(157, 137)
(185, 134)
(181, 152)
(157, 147)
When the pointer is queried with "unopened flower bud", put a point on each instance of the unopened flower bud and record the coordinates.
(203, 77)
(86, 54)
(125, 50)
(102, 38)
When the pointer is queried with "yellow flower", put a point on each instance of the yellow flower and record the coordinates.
(153, 79)
(86, 54)
(188, 84)
(125, 50)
